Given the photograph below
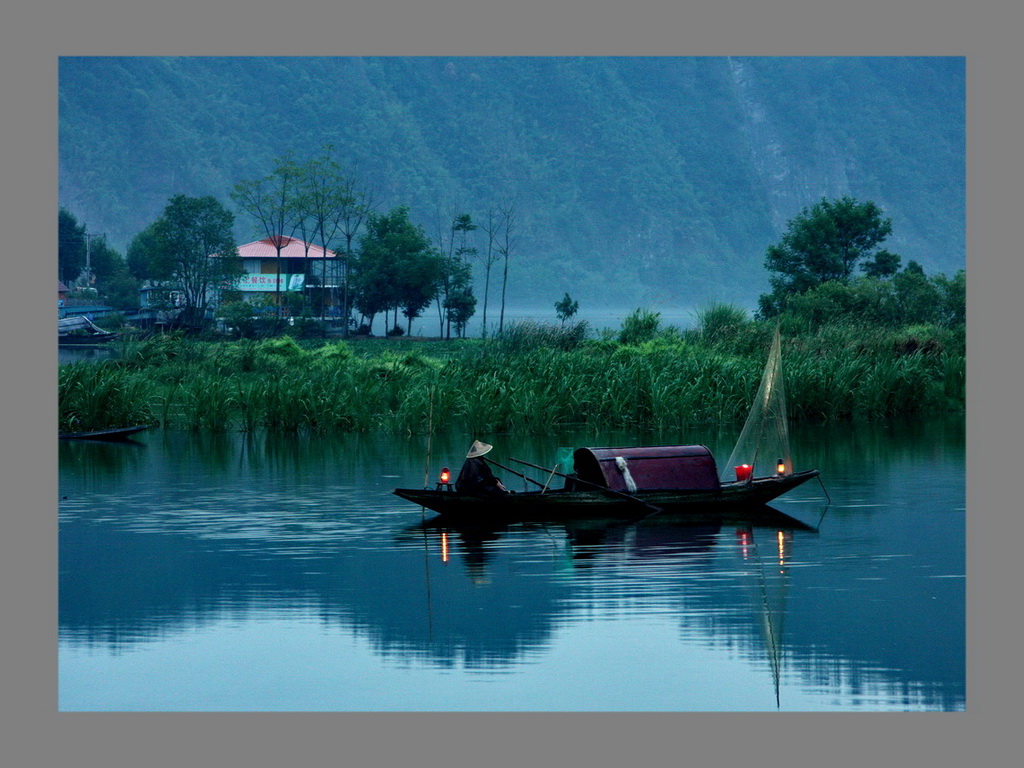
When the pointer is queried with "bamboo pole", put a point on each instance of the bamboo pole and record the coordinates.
(653, 508)
(508, 469)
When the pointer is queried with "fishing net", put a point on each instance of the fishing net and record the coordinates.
(763, 444)
(564, 460)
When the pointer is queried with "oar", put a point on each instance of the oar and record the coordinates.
(507, 469)
(651, 507)
(549, 478)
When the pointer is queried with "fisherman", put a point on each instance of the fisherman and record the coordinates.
(476, 475)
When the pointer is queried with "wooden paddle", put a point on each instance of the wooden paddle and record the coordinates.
(654, 509)
(517, 474)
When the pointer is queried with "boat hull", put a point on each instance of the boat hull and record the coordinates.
(121, 433)
(79, 341)
(560, 504)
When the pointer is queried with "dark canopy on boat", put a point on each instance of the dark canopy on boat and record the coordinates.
(689, 467)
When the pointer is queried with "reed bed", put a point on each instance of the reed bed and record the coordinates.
(94, 397)
(536, 381)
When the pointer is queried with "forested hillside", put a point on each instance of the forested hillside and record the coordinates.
(647, 181)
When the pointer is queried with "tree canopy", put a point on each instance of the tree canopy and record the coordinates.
(190, 231)
(825, 243)
(397, 267)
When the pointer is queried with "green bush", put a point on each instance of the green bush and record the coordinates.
(529, 334)
(719, 321)
(639, 326)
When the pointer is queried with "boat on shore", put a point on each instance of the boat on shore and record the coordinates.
(109, 435)
(81, 330)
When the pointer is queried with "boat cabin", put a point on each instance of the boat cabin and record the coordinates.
(663, 467)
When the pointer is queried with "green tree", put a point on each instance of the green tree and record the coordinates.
(883, 264)
(140, 251)
(331, 205)
(953, 298)
(823, 243)
(105, 263)
(396, 268)
(196, 251)
(71, 247)
(275, 203)
(460, 305)
(453, 230)
(86, 261)
(122, 289)
(917, 297)
(417, 283)
(566, 308)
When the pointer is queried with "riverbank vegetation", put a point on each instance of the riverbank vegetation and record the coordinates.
(534, 378)
(888, 342)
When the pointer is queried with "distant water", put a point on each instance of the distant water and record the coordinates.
(85, 352)
(597, 317)
(262, 572)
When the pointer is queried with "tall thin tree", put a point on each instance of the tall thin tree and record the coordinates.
(491, 254)
(326, 199)
(508, 239)
(273, 202)
(357, 201)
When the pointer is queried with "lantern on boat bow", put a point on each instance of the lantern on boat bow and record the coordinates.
(445, 480)
(744, 473)
(780, 467)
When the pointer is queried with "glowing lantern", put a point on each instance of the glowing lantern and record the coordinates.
(743, 472)
(446, 476)
(780, 467)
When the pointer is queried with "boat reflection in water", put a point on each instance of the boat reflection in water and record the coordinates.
(680, 545)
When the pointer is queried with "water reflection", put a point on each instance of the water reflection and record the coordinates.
(173, 538)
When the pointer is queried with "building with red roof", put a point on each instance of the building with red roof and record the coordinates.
(304, 268)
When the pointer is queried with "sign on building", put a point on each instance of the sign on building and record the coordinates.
(270, 282)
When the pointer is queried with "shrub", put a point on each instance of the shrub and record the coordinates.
(335, 352)
(282, 346)
(719, 321)
(640, 326)
(529, 334)
(238, 316)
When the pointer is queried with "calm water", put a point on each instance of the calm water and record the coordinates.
(274, 573)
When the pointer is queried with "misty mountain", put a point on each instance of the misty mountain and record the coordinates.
(639, 181)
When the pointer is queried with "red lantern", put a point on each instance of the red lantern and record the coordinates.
(743, 472)
(446, 476)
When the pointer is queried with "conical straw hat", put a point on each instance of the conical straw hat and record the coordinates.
(478, 449)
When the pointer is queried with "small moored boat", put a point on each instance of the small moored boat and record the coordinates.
(81, 330)
(118, 433)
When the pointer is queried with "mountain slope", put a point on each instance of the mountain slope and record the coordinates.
(657, 180)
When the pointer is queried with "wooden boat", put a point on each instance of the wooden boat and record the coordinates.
(565, 504)
(81, 330)
(119, 433)
(643, 481)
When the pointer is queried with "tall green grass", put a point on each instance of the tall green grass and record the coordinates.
(94, 397)
(537, 380)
